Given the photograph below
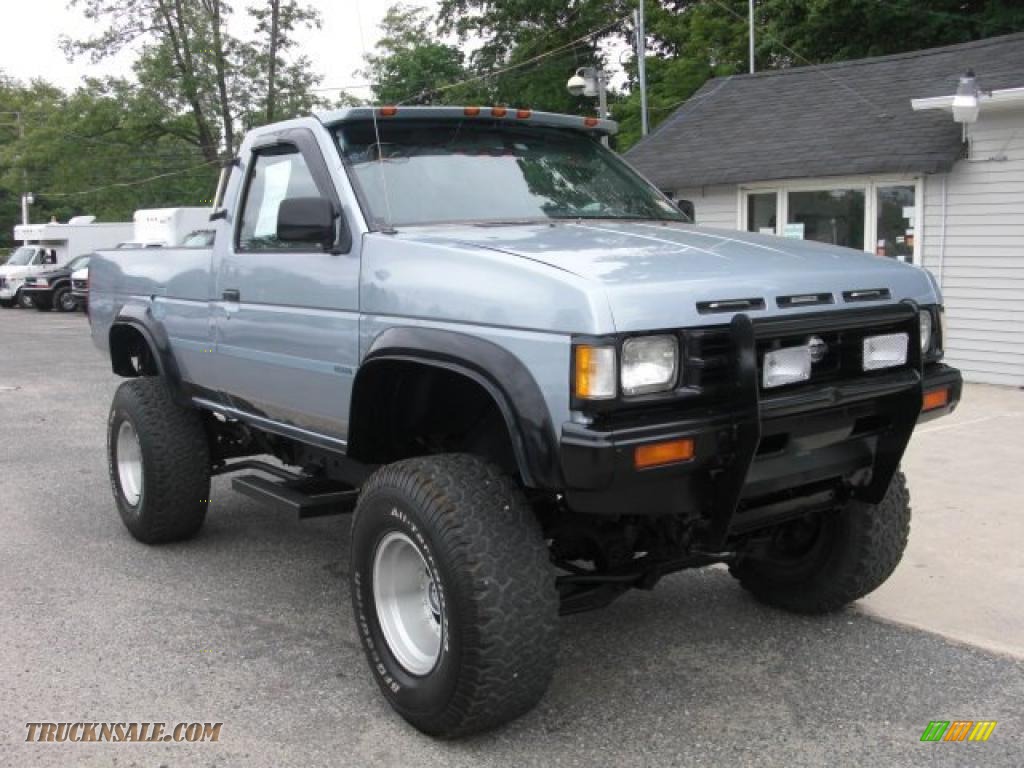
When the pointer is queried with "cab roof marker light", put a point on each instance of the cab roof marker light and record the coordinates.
(590, 122)
(387, 111)
(471, 111)
(498, 111)
(523, 114)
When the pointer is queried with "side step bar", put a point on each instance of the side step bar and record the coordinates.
(308, 497)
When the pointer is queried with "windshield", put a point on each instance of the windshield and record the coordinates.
(21, 257)
(79, 262)
(445, 171)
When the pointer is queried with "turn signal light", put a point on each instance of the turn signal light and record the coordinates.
(658, 454)
(937, 398)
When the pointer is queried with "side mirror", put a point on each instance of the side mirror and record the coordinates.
(307, 220)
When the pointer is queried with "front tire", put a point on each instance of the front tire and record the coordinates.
(64, 301)
(453, 594)
(159, 462)
(821, 565)
(24, 301)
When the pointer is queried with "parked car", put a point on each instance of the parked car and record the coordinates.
(52, 289)
(536, 385)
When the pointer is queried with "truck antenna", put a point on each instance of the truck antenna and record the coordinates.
(387, 228)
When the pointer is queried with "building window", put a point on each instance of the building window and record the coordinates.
(895, 216)
(833, 216)
(762, 212)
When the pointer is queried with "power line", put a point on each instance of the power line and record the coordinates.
(511, 67)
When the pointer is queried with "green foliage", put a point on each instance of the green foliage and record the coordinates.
(410, 65)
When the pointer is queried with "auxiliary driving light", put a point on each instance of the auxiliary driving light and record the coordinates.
(886, 351)
(787, 366)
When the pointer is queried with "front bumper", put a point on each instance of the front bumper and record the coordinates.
(761, 452)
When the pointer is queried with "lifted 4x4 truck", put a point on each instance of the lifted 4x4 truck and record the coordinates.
(534, 382)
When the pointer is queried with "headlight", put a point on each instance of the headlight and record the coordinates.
(925, 317)
(595, 372)
(649, 364)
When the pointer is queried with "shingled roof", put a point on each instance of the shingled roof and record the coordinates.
(853, 117)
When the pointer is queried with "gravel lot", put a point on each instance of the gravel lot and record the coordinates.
(249, 624)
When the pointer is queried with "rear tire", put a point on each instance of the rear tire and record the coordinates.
(852, 552)
(456, 537)
(159, 461)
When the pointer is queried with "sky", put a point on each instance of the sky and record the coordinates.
(32, 28)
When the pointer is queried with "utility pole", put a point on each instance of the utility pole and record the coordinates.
(641, 63)
(751, 36)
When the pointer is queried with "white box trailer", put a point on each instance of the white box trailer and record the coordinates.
(168, 226)
(48, 245)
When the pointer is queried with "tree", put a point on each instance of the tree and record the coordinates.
(410, 64)
(194, 66)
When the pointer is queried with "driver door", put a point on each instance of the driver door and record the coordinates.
(286, 313)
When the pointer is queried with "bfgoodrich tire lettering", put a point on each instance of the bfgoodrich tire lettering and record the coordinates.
(483, 548)
(168, 502)
(857, 549)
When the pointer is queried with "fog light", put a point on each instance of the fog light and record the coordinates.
(787, 366)
(885, 351)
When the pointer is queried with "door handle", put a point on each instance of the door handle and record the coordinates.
(231, 294)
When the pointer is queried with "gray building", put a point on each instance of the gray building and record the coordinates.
(866, 154)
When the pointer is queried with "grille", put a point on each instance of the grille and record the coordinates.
(711, 359)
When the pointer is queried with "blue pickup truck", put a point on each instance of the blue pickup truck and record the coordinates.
(535, 383)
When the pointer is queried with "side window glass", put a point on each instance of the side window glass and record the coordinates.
(277, 176)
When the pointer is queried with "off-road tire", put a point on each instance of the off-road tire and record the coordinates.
(63, 301)
(175, 487)
(483, 546)
(862, 545)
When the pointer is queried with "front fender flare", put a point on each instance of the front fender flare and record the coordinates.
(505, 378)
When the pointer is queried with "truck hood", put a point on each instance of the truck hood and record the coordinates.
(655, 274)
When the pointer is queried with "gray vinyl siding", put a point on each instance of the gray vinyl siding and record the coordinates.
(714, 206)
(982, 272)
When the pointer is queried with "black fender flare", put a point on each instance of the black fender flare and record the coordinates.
(139, 317)
(505, 378)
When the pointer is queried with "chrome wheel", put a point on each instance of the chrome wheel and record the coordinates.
(66, 302)
(408, 603)
(129, 463)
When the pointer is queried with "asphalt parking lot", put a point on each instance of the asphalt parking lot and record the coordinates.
(249, 624)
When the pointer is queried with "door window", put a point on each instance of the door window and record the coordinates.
(833, 216)
(277, 176)
(762, 212)
(896, 216)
